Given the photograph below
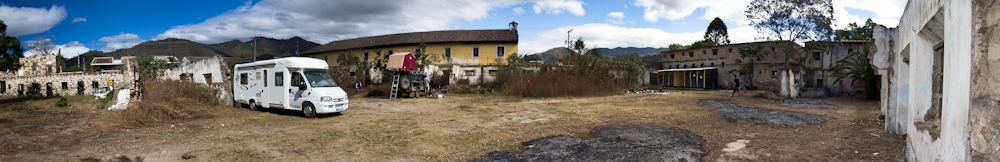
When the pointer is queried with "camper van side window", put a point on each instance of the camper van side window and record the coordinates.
(279, 79)
(296, 79)
(243, 78)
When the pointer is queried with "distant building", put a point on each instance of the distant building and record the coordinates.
(714, 67)
(468, 52)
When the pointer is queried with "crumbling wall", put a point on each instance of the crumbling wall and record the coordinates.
(117, 79)
(984, 126)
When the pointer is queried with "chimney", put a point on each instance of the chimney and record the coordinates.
(513, 25)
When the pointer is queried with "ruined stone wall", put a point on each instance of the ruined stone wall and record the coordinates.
(35, 65)
(118, 80)
(984, 126)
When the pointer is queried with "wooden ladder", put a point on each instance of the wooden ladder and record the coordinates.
(395, 87)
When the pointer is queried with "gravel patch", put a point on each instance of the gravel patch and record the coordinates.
(752, 115)
(800, 103)
(610, 143)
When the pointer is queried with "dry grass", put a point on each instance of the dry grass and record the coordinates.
(165, 101)
(764, 94)
(461, 127)
(560, 84)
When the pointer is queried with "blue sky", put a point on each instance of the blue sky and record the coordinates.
(79, 26)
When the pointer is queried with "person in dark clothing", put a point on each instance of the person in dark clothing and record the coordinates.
(736, 86)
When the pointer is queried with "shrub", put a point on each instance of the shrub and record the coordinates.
(166, 101)
(62, 102)
(559, 84)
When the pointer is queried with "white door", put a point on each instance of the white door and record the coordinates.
(277, 88)
(296, 95)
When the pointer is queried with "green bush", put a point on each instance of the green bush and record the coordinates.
(62, 102)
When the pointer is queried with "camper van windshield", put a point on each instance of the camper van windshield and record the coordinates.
(318, 78)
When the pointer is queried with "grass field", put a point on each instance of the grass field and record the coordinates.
(459, 127)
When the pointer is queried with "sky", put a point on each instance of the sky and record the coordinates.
(80, 26)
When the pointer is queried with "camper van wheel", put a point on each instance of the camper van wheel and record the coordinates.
(308, 110)
(253, 105)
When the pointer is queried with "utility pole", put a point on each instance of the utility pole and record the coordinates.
(255, 48)
(569, 43)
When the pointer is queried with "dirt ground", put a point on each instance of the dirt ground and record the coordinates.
(460, 127)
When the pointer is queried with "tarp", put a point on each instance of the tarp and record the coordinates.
(403, 61)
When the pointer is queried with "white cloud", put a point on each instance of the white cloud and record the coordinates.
(80, 19)
(887, 12)
(882, 8)
(69, 50)
(616, 17)
(325, 21)
(731, 10)
(556, 7)
(518, 10)
(605, 35)
(26, 20)
(123, 40)
(611, 36)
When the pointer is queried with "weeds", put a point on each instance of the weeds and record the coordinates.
(560, 84)
(62, 102)
(168, 101)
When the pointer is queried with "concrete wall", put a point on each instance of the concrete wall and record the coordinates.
(938, 134)
(211, 67)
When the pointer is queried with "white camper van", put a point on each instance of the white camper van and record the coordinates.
(294, 83)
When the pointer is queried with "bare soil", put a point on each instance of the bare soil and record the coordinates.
(460, 127)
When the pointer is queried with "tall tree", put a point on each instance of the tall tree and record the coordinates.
(717, 32)
(855, 32)
(10, 50)
(675, 47)
(791, 20)
(42, 45)
(783, 24)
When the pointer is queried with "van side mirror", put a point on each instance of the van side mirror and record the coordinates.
(302, 85)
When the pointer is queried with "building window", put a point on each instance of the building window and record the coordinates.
(715, 52)
(713, 64)
(493, 72)
(730, 50)
(3, 87)
(65, 85)
(685, 66)
(850, 50)
(447, 52)
(470, 73)
(691, 53)
(389, 52)
(704, 52)
(279, 79)
(94, 84)
(816, 55)
(723, 64)
(325, 58)
(475, 52)
(671, 55)
(366, 56)
(702, 64)
(670, 66)
(500, 51)
(774, 73)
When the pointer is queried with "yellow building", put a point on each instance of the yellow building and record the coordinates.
(449, 47)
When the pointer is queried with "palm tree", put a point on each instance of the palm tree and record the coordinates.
(857, 66)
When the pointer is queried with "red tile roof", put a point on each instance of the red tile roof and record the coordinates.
(419, 37)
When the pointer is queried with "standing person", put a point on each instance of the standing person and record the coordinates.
(736, 86)
(357, 87)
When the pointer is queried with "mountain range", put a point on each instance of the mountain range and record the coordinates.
(266, 48)
(552, 55)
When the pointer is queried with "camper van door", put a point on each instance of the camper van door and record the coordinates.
(296, 95)
(277, 88)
